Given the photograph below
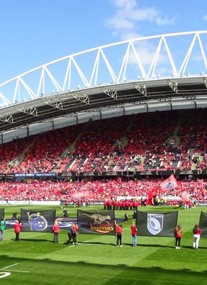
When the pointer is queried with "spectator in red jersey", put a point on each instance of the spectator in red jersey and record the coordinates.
(134, 234)
(196, 236)
(17, 229)
(56, 230)
(119, 231)
(178, 235)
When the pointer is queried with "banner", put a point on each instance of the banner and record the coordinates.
(1, 213)
(156, 224)
(94, 222)
(203, 224)
(169, 184)
(33, 175)
(38, 221)
(185, 196)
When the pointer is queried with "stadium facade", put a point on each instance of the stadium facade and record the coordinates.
(158, 73)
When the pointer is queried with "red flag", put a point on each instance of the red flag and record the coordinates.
(169, 184)
(185, 196)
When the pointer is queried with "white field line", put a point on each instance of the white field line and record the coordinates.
(20, 271)
(9, 266)
(10, 270)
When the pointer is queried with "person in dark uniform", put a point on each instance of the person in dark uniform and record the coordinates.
(70, 236)
(65, 213)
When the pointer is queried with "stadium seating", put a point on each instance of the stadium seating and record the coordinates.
(153, 142)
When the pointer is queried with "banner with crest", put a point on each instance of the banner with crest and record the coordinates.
(156, 224)
(203, 224)
(101, 222)
(169, 184)
(37, 220)
(1, 213)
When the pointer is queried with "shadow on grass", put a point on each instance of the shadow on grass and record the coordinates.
(96, 243)
(81, 271)
(31, 240)
(191, 247)
(153, 245)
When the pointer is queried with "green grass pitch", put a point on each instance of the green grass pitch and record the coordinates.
(35, 260)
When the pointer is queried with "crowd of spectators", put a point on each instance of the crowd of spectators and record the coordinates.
(154, 141)
(88, 191)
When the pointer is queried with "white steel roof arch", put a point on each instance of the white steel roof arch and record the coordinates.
(155, 73)
(130, 57)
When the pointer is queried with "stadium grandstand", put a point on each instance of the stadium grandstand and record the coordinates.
(105, 123)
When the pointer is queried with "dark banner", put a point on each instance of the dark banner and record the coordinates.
(1, 213)
(96, 223)
(203, 224)
(156, 224)
(38, 221)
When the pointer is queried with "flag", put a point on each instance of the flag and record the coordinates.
(94, 222)
(37, 220)
(169, 184)
(156, 224)
(203, 224)
(185, 196)
(1, 213)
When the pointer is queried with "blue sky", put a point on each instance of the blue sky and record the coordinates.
(34, 32)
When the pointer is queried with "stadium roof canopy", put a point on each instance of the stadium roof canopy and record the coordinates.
(157, 73)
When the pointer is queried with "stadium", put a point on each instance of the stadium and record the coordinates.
(103, 121)
(99, 127)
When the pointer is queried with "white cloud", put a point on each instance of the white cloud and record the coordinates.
(126, 4)
(129, 16)
(128, 21)
(205, 18)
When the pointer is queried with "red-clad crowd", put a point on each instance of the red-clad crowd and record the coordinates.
(115, 192)
(154, 141)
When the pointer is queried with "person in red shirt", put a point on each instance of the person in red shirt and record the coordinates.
(56, 230)
(119, 231)
(178, 235)
(17, 229)
(74, 230)
(134, 234)
(196, 236)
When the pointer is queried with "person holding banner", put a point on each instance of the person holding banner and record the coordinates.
(196, 236)
(178, 235)
(17, 229)
(119, 231)
(56, 229)
(134, 234)
(2, 228)
(70, 236)
(74, 231)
